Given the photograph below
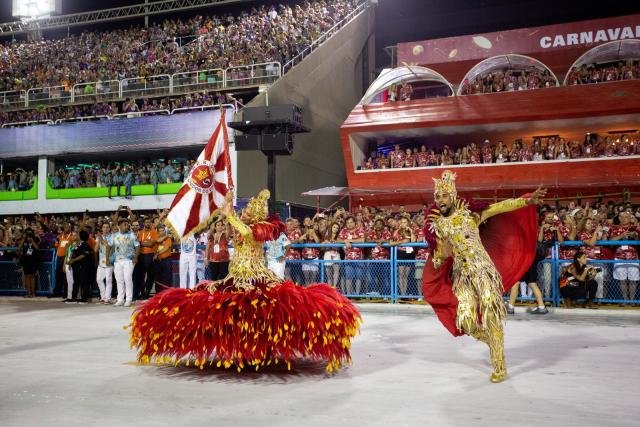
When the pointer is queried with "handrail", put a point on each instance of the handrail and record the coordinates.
(200, 107)
(601, 243)
(81, 119)
(359, 245)
(474, 165)
(97, 91)
(20, 97)
(136, 114)
(48, 122)
(324, 36)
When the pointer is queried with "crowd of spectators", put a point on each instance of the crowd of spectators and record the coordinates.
(121, 174)
(606, 72)
(261, 34)
(18, 179)
(540, 149)
(383, 227)
(130, 107)
(508, 80)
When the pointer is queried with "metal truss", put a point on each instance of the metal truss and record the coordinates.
(106, 15)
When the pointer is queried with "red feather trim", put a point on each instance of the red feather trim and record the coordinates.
(268, 230)
(250, 328)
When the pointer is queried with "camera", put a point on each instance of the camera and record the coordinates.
(597, 269)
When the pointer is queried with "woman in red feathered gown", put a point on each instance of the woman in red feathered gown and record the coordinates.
(251, 317)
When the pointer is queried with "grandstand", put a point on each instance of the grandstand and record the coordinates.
(152, 88)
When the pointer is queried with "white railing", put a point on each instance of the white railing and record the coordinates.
(197, 80)
(252, 75)
(158, 85)
(145, 86)
(119, 116)
(135, 114)
(96, 91)
(198, 108)
(13, 98)
(48, 95)
(324, 37)
(81, 119)
(28, 123)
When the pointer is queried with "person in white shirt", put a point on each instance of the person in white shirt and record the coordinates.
(188, 262)
(201, 244)
(104, 273)
(275, 254)
(125, 249)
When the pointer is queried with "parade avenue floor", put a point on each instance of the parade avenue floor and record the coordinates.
(65, 365)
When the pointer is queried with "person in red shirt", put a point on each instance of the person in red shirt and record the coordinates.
(627, 274)
(409, 159)
(404, 234)
(377, 281)
(353, 271)
(383, 162)
(216, 254)
(423, 253)
(568, 230)
(591, 233)
(310, 235)
(549, 232)
(474, 154)
(293, 271)
(487, 153)
(422, 157)
(397, 157)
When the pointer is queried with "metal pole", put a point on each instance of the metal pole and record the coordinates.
(146, 17)
(271, 180)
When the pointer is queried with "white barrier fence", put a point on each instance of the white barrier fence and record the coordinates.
(158, 85)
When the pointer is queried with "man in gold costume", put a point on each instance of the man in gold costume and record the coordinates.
(472, 267)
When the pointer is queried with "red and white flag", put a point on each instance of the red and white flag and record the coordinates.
(204, 189)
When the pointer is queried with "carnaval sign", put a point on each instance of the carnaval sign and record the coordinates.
(589, 37)
(536, 42)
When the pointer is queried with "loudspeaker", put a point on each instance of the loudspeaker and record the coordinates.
(278, 113)
(247, 142)
(280, 143)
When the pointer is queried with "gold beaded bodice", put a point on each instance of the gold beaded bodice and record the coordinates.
(247, 265)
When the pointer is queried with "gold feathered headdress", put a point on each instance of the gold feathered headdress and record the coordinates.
(257, 207)
(446, 185)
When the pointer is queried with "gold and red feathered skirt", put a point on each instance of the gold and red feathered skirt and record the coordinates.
(246, 328)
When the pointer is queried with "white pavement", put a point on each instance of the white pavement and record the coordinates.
(64, 365)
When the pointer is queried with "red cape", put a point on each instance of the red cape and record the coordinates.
(510, 240)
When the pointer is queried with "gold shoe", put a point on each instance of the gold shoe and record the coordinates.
(498, 377)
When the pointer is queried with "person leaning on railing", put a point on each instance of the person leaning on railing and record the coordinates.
(578, 282)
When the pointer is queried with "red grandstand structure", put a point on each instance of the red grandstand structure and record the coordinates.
(570, 112)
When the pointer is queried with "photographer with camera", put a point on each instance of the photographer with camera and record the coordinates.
(578, 282)
(28, 245)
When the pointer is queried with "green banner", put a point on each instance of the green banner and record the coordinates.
(31, 194)
(93, 192)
